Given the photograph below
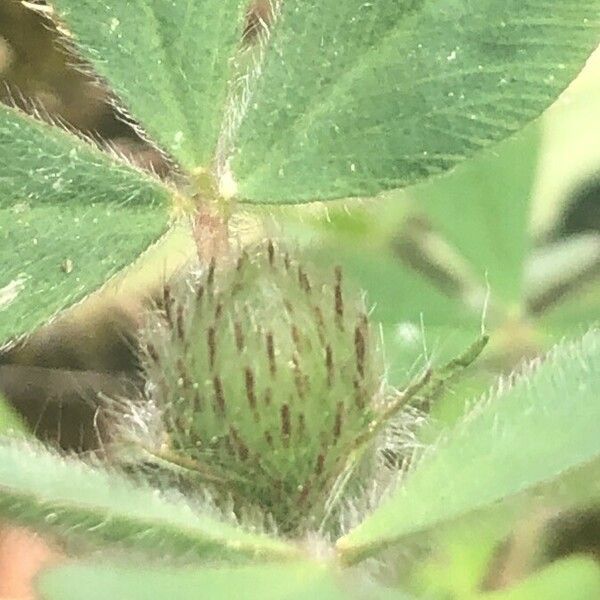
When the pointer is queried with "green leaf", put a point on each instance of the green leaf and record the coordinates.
(356, 97)
(483, 211)
(526, 434)
(294, 581)
(70, 217)
(42, 490)
(576, 578)
(168, 62)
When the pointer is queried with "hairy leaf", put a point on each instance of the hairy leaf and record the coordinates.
(42, 490)
(528, 433)
(356, 97)
(169, 63)
(294, 581)
(70, 217)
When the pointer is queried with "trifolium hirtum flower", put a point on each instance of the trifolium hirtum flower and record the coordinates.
(268, 387)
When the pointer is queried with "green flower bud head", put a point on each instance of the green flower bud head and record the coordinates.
(269, 383)
(266, 377)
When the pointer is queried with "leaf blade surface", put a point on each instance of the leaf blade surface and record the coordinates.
(357, 97)
(70, 217)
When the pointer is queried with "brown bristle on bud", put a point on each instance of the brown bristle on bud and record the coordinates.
(239, 336)
(320, 464)
(219, 397)
(271, 352)
(359, 350)
(286, 261)
(271, 252)
(286, 426)
(200, 293)
(337, 424)
(339, 300)
(329, 364)
(359, 399)
(250, 395)
(180, 326)
(210, 278)
(168, 304)
(211, 339)
(238, 443)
